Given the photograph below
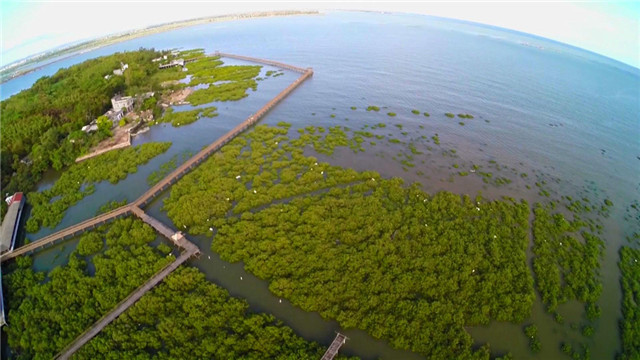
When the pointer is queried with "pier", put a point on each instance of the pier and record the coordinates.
(67, 233)
(188, 248)
(123, 306)
(216, 145)
(175, 175)
(337, 343)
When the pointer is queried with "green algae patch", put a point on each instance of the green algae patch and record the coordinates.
(373, 108)
(449, 115)
(415, 111)
(392, 114)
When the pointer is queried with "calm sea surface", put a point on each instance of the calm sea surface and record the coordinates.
(553, 111)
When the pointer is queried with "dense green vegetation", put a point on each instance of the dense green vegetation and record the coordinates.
(208, 70)
(186, 117)
(187, 317)
(630, 325)
(183, 317)
(368, 252)
(79, 180)
(230, 91)
(47, 311)
(44, 121)
(235, 80)
(567, 260)
(531, 331)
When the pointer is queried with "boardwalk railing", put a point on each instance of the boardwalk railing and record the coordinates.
(262, 61)
(68, 232)
(122, 307)
(337, 343)
(177, 238)
(177, 173)
(216, 145)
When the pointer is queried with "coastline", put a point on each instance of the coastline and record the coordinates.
(91, 45)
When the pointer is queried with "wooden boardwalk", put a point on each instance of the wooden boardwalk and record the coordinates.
(68, 232)
(332, 351)
(263, 61)
(174, 175)
(177, 237)
(216, 145)
(122, 306)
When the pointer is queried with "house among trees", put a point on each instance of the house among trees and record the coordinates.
(122, 102)
(114, 116)
(120, 71)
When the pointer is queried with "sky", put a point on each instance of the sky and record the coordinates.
(609, 28)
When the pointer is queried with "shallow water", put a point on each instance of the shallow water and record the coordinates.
(551, 113)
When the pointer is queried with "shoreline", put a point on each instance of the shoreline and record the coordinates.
(98, 43)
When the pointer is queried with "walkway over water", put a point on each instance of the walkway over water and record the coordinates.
(337, 343)
(179, 240)
(69, 232)
(177, 237)
(174, 175)
(124, 305)
(263, 61)
(216, 145)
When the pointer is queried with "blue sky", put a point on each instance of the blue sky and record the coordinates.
(609, 28)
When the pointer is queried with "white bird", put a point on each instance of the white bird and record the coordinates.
(372, 179)
(255, 192)
(210, 229)
(495, 237)
(227, 199)
(280, 301)
(474, 270)
(240, 277)
(238, 177)
(315, 163)
(209, 256)
(321, 172)
(472, 170)
(477, 208)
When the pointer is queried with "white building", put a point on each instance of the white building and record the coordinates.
(122, 102)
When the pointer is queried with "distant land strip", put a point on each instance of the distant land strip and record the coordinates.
(17, 69)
